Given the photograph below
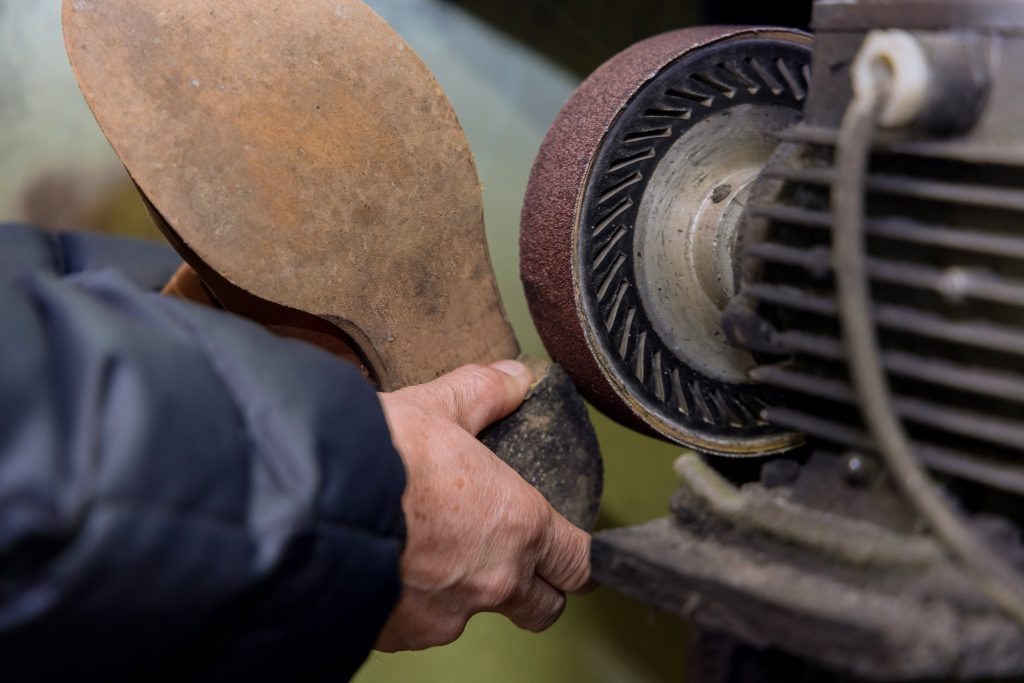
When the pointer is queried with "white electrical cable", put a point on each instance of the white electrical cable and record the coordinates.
(898, 58)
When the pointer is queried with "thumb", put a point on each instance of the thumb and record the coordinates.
(475, 396)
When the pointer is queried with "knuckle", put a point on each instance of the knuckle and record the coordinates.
(534, 518)
(574, 569)
(497, 589)
(464, 390)
(449, 400)
(494, 380)
(524, 521)
(481, 374)
(478, 380)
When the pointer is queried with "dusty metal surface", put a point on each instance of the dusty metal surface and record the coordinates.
(862, 15)
(778, 567)
(580, 245)
(850, 623)
(303, 152)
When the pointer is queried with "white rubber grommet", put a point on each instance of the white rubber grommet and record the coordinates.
(900, 55)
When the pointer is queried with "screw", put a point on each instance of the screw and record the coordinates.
(858, 470)
(721, 193)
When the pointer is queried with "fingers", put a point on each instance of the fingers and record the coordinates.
(418, 623)
(565, 560)
(536, 608)
(475, 396)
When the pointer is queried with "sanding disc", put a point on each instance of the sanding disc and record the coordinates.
(624, 284)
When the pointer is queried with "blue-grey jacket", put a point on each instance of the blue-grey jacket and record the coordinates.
(182, 494)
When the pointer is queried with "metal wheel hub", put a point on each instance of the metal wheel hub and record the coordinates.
(686, 231)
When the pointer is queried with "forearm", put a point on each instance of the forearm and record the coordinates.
(180, 489)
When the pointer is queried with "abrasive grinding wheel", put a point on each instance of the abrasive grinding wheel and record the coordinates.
(631, 221)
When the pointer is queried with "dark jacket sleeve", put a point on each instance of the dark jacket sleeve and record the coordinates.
(183, 494)
(26, 249)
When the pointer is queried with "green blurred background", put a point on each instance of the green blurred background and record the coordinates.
(508, 67)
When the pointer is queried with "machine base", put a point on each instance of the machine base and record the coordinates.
(737, 567)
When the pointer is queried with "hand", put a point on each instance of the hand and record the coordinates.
(480, 539)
